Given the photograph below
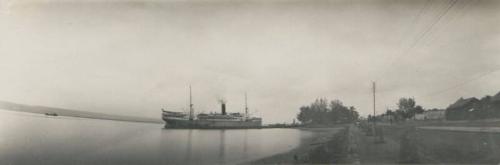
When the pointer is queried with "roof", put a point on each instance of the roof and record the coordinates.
(463, 102)
(496, 97)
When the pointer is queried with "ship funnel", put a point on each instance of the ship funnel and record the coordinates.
(223, 108)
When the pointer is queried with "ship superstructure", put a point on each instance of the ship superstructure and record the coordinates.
(210, 120)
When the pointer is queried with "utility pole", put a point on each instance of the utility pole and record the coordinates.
(191, 112)
(374, 117)
(246, 107)
(374, 102)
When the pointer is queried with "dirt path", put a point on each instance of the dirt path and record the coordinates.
(371, 152)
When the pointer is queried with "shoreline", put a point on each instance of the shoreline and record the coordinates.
(318, 138)
(87, 116)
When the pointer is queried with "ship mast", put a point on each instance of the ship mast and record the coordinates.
(246, 107)
(191, 112)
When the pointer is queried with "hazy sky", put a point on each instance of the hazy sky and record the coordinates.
(134, 57)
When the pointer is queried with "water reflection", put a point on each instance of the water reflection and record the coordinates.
(189, 146)
(245, 145)
(222, 144)
(31, 139)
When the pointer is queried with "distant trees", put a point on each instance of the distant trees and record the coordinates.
(322, 111)
(463, 109)
(407, 109)
(406, 103)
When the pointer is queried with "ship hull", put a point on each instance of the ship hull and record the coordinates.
(210, 124)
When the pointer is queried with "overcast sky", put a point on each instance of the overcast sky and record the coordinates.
(135, 57)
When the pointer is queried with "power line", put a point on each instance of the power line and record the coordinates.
(461, 11)
(432, 25)
(462, 83)
(425, 32)
(416, 18)
(429, 28)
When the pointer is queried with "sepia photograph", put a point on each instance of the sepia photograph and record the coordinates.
(249, 82)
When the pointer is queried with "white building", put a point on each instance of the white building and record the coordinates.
(420, 116)
(434, 114)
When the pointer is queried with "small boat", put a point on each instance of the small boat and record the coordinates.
(51, 114)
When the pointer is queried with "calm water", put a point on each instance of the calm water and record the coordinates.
(37, 139)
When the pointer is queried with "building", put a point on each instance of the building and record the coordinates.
(434, 114)
(462, 109)
(494, 106)
(496, 98)
(420, 116)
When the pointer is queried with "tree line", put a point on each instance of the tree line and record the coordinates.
(463, 109)
(324, 112)
(407, 109)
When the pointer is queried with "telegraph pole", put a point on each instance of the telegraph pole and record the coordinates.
(374, 117)
(374, 103)
(191, 113)
(246, 107)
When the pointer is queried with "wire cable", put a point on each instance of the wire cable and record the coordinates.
(425, 32)
(461, 84)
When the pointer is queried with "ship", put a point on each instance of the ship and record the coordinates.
(222, 120)
(51, 114)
